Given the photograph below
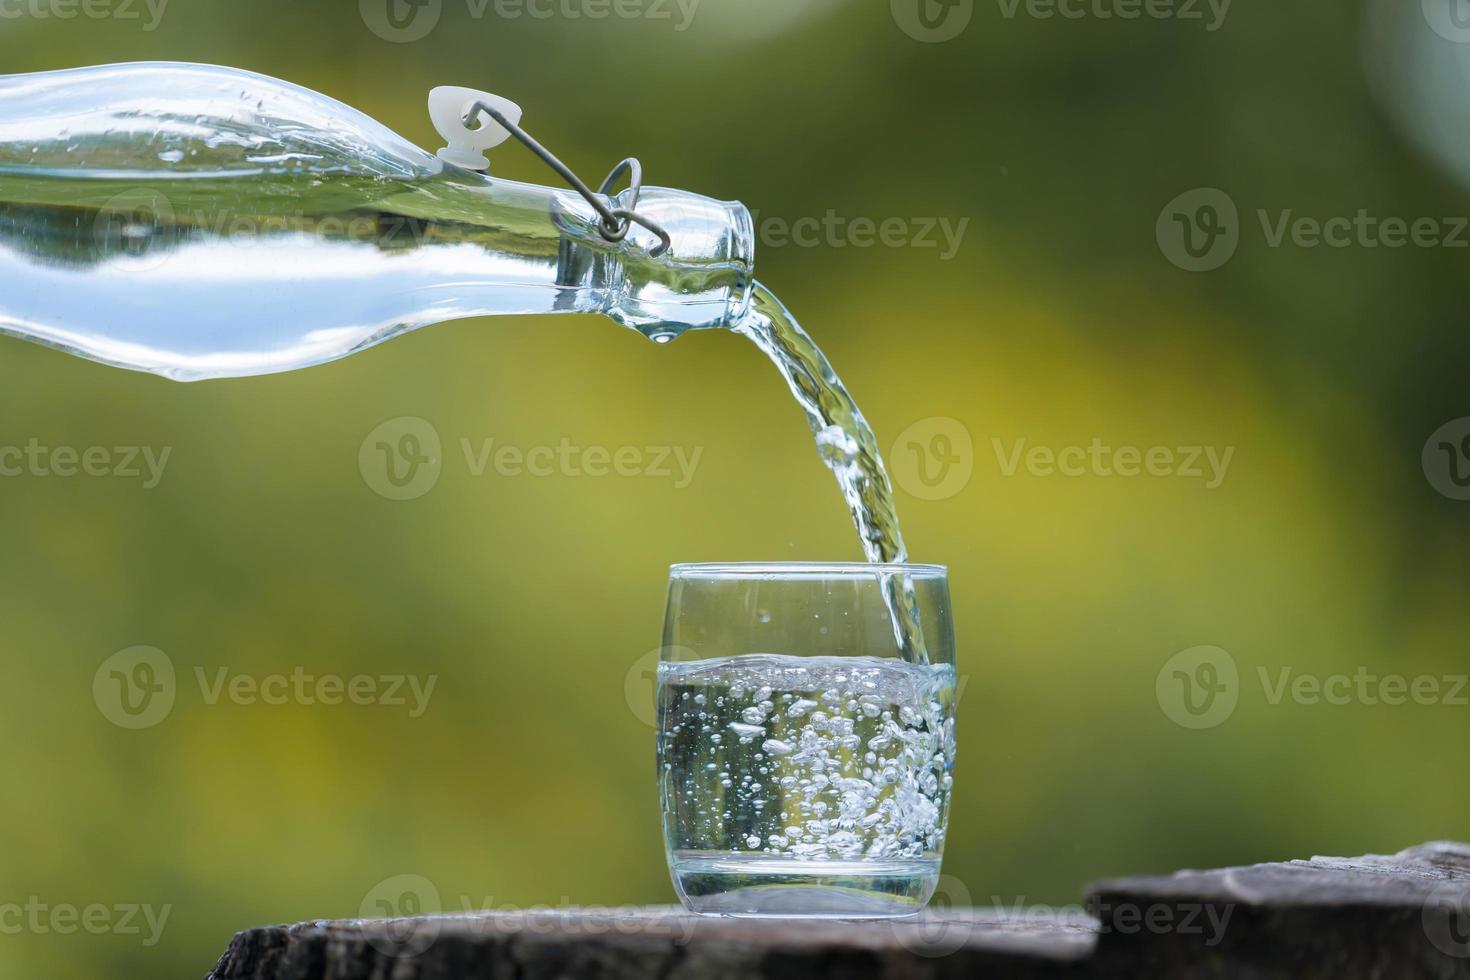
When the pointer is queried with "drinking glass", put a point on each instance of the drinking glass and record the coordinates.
(806, 737)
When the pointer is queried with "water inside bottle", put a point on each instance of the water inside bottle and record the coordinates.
(213, 276)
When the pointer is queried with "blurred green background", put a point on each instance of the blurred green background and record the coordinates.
(1059, 319)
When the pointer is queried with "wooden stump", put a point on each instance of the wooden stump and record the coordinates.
(1404, 917)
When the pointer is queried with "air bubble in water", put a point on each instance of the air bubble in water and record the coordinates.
(864, 778)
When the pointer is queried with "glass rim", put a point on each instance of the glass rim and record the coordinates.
(803, 569)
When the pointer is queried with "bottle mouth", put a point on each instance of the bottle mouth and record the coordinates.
(744, 231)
(705, 280)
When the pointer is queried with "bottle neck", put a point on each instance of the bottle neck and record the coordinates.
(205, 278)
(705, 277)
(702, 280)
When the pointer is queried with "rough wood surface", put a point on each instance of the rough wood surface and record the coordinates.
(1401, 917)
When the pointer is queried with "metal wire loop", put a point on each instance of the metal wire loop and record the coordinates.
(615, 223)
(634, 170)
(630, 217)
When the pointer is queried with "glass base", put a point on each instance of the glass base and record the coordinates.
(716, 883)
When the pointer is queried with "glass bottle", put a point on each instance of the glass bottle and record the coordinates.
(204, 222)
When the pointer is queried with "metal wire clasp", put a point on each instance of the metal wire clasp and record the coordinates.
(616, 222)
